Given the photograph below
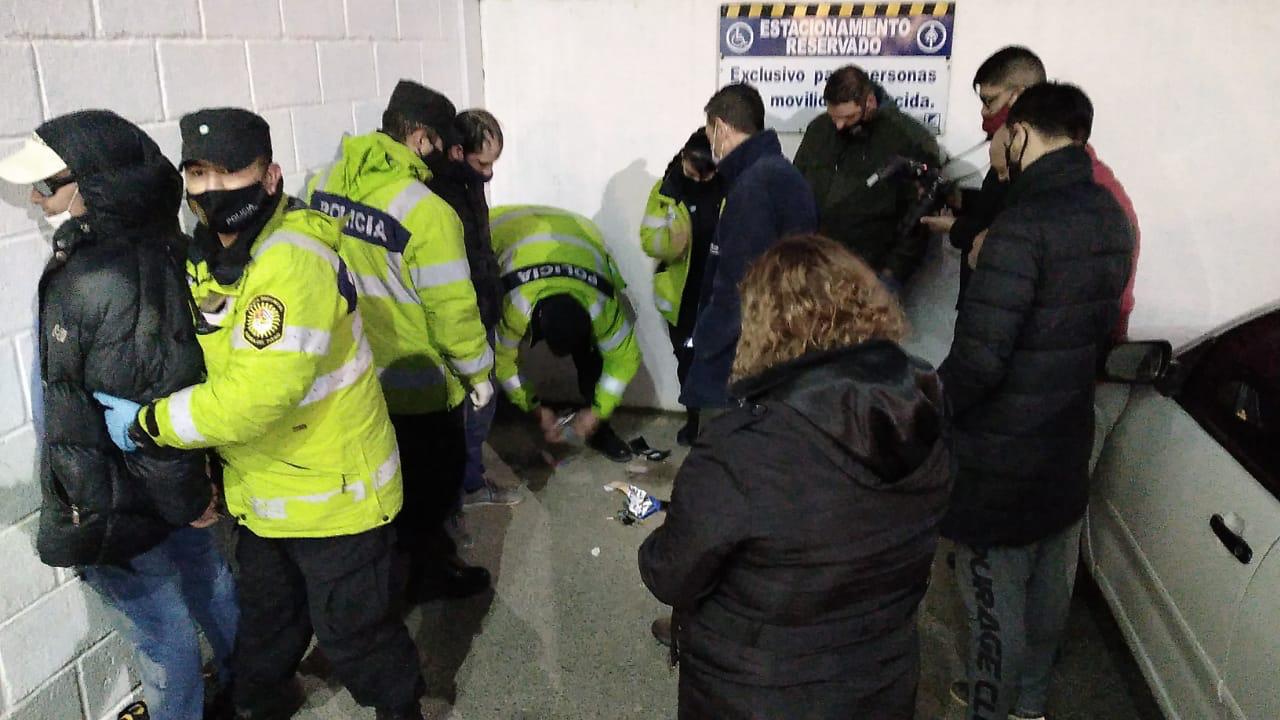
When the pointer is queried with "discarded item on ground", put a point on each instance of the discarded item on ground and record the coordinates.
(595, 552)
(640, 504)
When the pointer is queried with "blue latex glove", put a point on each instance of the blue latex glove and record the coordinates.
(119, 415)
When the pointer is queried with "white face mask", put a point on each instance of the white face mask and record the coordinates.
(57, 220)
(716, 157)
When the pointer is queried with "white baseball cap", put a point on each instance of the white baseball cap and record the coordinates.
(34, 161)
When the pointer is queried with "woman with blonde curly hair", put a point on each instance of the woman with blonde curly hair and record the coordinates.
(798, 543)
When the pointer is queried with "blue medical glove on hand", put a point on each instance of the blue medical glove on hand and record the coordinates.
(120, 415)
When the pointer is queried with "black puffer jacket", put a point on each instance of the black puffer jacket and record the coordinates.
(1034, 323)
(800, 536)
(115, 316)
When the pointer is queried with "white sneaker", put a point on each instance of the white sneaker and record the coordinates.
(491, 494)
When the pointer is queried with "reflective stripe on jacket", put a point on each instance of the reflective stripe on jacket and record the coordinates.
(528, 236)
(291, 401)
(666, 234)
(410, 268)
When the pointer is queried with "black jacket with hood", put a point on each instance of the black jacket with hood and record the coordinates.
(803, 525)
(115, 317)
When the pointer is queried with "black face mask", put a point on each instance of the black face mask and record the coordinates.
(474, 176)
(230, 211)
(1015, 166)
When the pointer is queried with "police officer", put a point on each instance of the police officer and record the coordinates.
(678, 229)
(563, 287)
(410, 267)
(293, 407)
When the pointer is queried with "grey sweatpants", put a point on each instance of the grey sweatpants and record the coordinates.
(1017, 600)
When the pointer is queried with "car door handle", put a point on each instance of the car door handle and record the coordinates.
(1235, 544)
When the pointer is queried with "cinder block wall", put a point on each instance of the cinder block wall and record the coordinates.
(315, 69)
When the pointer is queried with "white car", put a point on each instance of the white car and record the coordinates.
(1183, 530)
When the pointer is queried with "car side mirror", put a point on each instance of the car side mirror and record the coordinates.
(1138, 362)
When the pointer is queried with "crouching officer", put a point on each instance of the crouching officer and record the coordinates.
(410, 267)
(293, 407)
(563, 287)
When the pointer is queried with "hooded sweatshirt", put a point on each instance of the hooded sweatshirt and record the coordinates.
(115, 317)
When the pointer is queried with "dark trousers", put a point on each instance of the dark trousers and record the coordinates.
(340, 588)
(590, 366)
(433, 461)
(683, 351)
(887, 692)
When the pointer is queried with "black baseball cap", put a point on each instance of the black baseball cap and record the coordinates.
(421, 104)
(230, 137)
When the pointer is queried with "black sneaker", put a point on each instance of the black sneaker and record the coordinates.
(136, 711)
(607, 443)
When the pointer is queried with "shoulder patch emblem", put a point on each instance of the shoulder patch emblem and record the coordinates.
(263, 321)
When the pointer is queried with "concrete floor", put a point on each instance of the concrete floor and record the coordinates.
(565, 633)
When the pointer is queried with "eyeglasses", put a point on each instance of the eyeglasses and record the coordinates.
(49, 186)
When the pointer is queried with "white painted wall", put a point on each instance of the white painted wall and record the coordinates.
(315, 69)
(597, 95)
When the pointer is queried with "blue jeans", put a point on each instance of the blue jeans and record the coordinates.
(478, 423)
(159, 601)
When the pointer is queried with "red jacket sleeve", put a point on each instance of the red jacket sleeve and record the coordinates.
(1103, 176)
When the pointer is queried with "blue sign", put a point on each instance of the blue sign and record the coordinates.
(833, 30)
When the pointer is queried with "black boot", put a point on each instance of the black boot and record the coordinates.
(451, 579)
(607, 443)
(688, 433)
(281, 706)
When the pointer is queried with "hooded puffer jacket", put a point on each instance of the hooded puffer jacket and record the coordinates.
(115, 317)
(800, 536)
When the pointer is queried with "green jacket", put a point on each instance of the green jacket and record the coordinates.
(410, 268)
(541, 241)
(291, 401)
(666, 234)
(861, 218)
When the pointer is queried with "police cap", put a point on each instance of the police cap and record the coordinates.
(423, 105)
(230, 137)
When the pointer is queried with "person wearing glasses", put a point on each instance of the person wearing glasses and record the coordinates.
(114, 317)
(999, 82)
